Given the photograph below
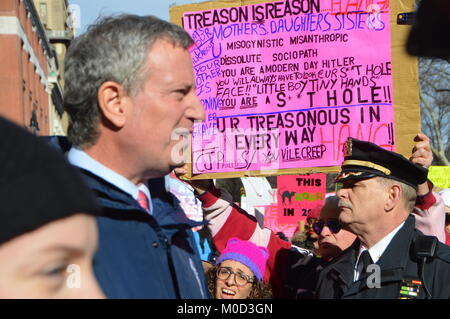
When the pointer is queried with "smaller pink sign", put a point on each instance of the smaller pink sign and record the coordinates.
(271, 222)
(298, 195)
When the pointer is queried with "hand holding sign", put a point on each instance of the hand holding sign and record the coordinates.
(200, 185)
(423, 156)
(421, 153)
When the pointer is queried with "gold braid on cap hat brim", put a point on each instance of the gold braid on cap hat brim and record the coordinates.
(368, 164)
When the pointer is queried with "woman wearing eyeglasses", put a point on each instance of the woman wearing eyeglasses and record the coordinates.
(293, 270)
(239, 272)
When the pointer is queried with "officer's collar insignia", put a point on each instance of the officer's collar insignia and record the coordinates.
(409, 289)
(348, 147)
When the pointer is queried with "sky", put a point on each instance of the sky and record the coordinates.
(89, 10)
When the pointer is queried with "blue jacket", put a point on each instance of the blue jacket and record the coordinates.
(143, 256)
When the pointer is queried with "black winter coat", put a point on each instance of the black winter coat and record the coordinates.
(398, 265)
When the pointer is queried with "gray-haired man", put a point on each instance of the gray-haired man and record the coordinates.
(130, 95)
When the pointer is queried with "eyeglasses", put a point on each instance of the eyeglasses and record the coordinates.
(333, 224)
(240, 279)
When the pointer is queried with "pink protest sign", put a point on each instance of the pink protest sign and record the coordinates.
(271, 221)
(191, 206)
(285, 83)
(298, 195)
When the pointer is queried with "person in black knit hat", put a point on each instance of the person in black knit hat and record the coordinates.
(48, 233)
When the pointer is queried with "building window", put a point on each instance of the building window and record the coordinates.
(43, 12)
(34, 124)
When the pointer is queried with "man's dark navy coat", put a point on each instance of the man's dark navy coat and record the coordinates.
(141, 255)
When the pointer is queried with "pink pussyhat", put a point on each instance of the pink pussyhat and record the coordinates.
(247, 253)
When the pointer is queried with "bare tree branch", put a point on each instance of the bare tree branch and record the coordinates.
(435, 110)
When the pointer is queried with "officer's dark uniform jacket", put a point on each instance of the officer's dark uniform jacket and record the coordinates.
(397, 263)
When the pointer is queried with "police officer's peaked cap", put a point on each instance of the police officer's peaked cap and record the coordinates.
(37, 184)
(363, 160)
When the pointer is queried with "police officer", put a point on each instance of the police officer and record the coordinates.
(390, 258)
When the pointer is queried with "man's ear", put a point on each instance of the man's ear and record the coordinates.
(113, 102)
(394, 197)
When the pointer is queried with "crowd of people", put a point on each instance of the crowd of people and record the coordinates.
(379, 204)
(107, 226)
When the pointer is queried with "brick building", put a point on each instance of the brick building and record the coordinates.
(56, 20)
(31, 92)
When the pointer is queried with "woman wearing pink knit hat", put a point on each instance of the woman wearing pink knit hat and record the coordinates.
(239, 272)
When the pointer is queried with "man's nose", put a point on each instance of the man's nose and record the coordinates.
(341, 193)
(196, 111)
